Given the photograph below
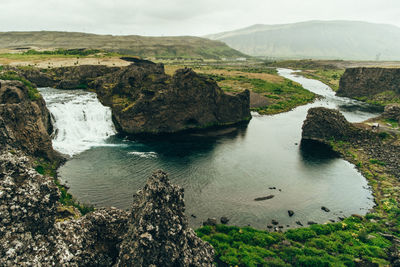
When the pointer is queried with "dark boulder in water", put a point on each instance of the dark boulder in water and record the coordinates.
(325, 209)
(264, 198)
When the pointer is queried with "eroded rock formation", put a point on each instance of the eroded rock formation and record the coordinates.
(328, 125)
(144, 99)
(156, 232)
(392, 112)
(368, 82)
(24, 123)
(324, 124)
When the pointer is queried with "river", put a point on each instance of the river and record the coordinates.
(222, 174)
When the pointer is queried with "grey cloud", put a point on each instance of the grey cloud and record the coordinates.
(183, 17)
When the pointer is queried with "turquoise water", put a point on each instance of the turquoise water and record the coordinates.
(223, 172)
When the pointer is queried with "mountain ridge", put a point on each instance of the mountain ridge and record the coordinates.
(143, 46)
(338, 39)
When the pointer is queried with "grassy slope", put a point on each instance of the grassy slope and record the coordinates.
(153, 47)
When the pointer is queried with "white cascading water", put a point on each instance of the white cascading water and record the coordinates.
(79, 119)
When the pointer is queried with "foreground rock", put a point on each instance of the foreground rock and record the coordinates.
(155, 233)
(144, 99)
(158, 233)
(24, 122)
(368, 82)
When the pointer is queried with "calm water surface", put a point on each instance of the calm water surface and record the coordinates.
(222, 174)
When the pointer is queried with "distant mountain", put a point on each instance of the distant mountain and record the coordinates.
(350, 40)
(157, 47)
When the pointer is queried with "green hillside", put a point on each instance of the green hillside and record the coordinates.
(147, 47)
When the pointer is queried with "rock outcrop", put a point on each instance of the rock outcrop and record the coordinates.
(144, 99)
(324, 124)
(368, 82)
(24, 123)
(76, 77)
(392, 112)
(158, 233)
(30, 235)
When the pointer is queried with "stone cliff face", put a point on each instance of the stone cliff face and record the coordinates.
(368, 82)
(327, 125)
(158, 233)
(324, 124)
(77, 77)
(24, 123)
(155, 233)
(144, 99)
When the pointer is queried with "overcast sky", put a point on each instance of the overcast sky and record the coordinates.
(183, 17)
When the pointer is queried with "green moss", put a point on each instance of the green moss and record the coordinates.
(60, 51)
(33, 93)
(375, 161)
(45, 167)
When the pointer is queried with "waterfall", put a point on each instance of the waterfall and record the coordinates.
(80, 121)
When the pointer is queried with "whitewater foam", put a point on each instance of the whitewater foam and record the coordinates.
(79, 119)
(143, 154)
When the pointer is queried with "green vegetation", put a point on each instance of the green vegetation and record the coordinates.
(273, 93)
(283, 96)
(32, 90)
(334, 244)
(327, 76)
(355, 241)
(44, 167)
(184, 47)
(392, 122)
(381, 99)
(375, 161)
(60, 51)
(328, 72)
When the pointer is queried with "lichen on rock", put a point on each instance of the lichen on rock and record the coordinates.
(158, 233)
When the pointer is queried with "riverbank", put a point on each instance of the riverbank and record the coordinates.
(373, 239)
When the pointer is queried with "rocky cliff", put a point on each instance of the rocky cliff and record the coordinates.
(328, 126)
(144, 99)
(155, 232)
(324, 125)
(24, 122)
(369, 82)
